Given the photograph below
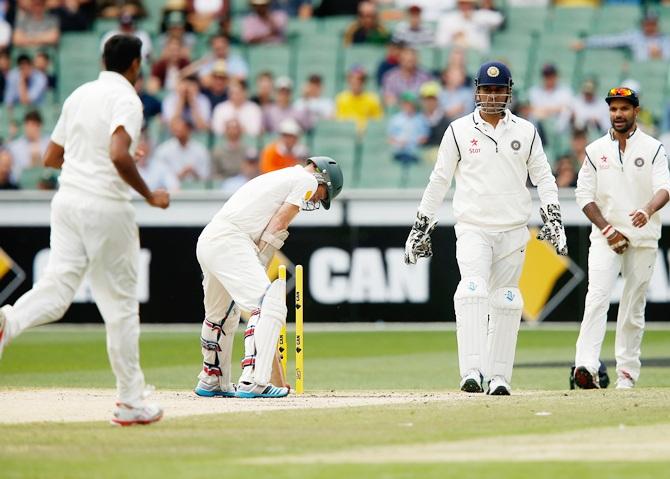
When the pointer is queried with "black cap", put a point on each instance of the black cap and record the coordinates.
(623, 93)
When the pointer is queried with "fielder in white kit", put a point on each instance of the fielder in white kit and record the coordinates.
(234, 250)
(490, 153)
(622, 183)
(93, 228)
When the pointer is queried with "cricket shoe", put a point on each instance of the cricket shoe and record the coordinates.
(585, 379)
(472, 382)
(624, 381)
(603, 377)
(498, 387)
(214, 390)
(253, 390)
(126, 415)
(3, 323)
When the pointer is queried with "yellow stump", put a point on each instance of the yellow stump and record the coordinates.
(299, 334)
(281, 345)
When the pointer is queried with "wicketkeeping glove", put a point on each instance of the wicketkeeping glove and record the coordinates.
(553, 230)
(418, 242)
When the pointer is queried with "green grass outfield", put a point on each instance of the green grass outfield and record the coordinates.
(617, 432)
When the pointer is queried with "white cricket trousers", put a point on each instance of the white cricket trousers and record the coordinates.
(636, 266)
(231, 269)
(99, 237)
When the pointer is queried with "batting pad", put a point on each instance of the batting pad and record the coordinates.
(504, 320)
(217, 348)
(471, 303)
(261, 344)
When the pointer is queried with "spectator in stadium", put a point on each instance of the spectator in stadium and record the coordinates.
(295, 8)
(645, 43)
(551, 99)
(431, 10)
(264, 25)
(217, 92)
(286, 150)
(565, 172)
(25, 84)
(27, 149)
(414, 32)
(227, 157)
(166, 72)
(407, 76)
(150, 104)
(42, 63)
(188, 103)
(355, 103)
(367, 28)
(35, 27)
(127, 27)
(265, 89)
(407, 130)
(116, 8)
(393, 51)
(282, 109)
(187, 158)
(155, 175)
(468, 27)
(5, 32)
(248, 171)
(6, 179)
(219, 50)
(203, 13)
(240, 108)
(312, 105)
(456, 97)
(588, 111)
(176, 27)
(5, 66)
(433, 114)
(73, 15)
(578, 142)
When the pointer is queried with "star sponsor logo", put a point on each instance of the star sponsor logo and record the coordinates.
(474, 146)
(603, 162)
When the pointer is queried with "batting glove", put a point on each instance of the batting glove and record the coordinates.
(418, 243)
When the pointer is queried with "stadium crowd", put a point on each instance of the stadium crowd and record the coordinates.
(209, 123)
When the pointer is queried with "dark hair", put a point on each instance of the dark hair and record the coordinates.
(315, 78)
(23, 58)
(120, 52)
(266, 74)
(33, 115)
(44, 54)
(219, 35)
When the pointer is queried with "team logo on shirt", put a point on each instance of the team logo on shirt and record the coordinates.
(639, 162)
(604, 164)
(308, 195)
(474, 146)
(493, 72)
(509, 296)
(516, 145)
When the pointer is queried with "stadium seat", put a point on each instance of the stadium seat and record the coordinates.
(341, 149)
(276, 58)
(616, 18)
(525, 19)
(78, 61)
(571, 20)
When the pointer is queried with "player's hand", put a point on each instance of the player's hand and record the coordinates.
(553, 230)
(615, 239)
(159, 199)
(418, 243)
(140, 153)
(640, 217)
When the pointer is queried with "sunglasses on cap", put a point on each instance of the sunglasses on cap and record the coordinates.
(621, 92)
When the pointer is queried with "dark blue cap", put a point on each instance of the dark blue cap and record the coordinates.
(494, 73)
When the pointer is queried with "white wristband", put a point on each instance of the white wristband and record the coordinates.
(646, 215)
(607, 231)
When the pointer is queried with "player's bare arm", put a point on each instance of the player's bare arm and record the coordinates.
(119, 152)
(53, 157)
(617, 241)
(640, 217)
(278, 223)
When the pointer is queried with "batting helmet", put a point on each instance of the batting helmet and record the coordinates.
(331, 175)
(493, 74)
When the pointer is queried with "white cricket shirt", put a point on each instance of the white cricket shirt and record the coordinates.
(89, 117)
(253, 205)
(622, 182)
(491, 167)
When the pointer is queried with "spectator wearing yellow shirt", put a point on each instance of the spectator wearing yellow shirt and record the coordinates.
(355, 103)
